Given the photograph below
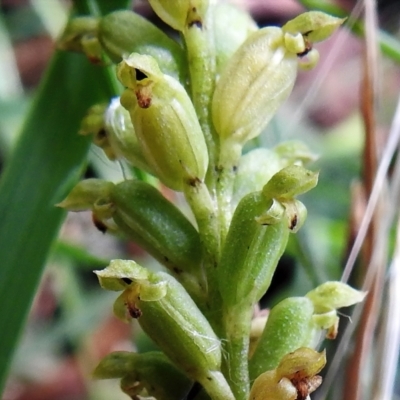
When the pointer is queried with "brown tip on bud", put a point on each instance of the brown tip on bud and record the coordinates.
(144, 96)
(133, 311)
(100, 225)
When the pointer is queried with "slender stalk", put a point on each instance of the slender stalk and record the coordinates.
(200, 201)
(217, 387)
(237, 325)
(227, 167)
(202, 69)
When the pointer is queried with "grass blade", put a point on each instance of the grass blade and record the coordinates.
(47, 161)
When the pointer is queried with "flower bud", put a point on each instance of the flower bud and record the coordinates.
(165, 122)
(255, 82)
(113, 132)
(332, 295)
(268, 387)
(290, 182)
(93, 124)
(150, 371)
(255, 169)
(176, 325)
(148, 218)
(282, 188)
(76, 29)
(230, 27)
(120, 33)
(167, 314)
(294, 152)
(294, 378)
(121, 135)
(124, 32)
(289, 326)
(327, 298)
(316, 26)
(251, 252)
(180, 13)
(86, 193)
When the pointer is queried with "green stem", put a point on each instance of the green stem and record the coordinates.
(200, 201)
(202, 69)
(389, 45)
(216, 386)
(227, 166)
(237, 325)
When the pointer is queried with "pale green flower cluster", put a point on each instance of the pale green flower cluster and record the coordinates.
(184, 115)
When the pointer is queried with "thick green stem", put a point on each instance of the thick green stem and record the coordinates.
(237, 325)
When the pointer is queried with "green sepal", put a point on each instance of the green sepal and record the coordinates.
(86, 193)
(115, 365)
(333, 295)
(295, 43)
(251, 252)
(93, 124)
(302, 363)
(120, 273)
(273, 215)
(127, 70)
(316, 26)
(180, 14)
(76, 29)
(294, 152)
(151, 371)
(293, 211)
(294, 378)
(289, 182)
(165, 123)
(268, 387)
(326, 320)
(289, 326)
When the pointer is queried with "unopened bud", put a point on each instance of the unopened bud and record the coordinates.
(122, 137)
(165, 122)
(123, 32)
(167, 314)
(76, 29)
(251, 252)
(290, 182)
(230, 28)
(151, 372)
(294, 378)
(120, 33)
(289, 326)
(180, 14)
(316, 26)
(255, 82)
(255, 169)
(153, 222)
(86, 194)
